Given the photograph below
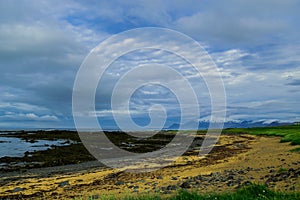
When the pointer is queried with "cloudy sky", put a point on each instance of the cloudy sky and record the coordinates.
(254, 43)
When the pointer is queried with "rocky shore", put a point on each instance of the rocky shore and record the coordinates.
(237, 160)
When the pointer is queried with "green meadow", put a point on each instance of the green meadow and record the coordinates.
(289, 133)
(253, 192)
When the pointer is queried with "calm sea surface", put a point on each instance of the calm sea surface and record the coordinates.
(16, 147)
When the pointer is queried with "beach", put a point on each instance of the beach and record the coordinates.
(237, 160)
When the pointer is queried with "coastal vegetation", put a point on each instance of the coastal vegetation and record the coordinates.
(253, 192)
(246, 163)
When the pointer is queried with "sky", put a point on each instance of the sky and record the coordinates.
(254, 43)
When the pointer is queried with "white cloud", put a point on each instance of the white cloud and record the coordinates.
(28, 117)
(234, 23)
(22, 106)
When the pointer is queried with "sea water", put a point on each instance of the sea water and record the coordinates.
(16, 147)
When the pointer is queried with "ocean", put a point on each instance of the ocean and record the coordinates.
(16, 147)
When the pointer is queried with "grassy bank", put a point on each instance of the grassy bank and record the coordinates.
(252, 192)
(288, 133)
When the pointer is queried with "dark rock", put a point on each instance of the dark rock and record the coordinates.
(267, 183)
(272, 179)
(18, 189)
(285, 176)
(247, 183)
(113, 175)
(171, 187)
(239, 179)
(119, 183)
(173, 178)
(201, 178)
(185, 185)
(31, 141)
(38, 194)
(198, 183)
(54, 194)
(159, 177)
(230, 177)
(148, 183)
(272, 171)
(231, 183)
(291, 170)
(294, 176)
(216, 174)
(292, 187)
(64, 183)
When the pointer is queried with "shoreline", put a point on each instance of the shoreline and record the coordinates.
(246, 159)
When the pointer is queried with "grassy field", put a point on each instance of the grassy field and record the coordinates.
(288, 133)
(253, 192)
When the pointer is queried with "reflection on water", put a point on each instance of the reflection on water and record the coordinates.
(16, 147)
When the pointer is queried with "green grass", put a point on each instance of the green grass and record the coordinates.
(280, 170)
(297, 150)
(252, 192)
(289, 133)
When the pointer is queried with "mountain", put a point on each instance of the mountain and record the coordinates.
(229, 124)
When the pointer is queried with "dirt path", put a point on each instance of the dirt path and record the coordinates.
(236, 161)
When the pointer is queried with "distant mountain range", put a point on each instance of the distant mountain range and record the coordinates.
(229, 124)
